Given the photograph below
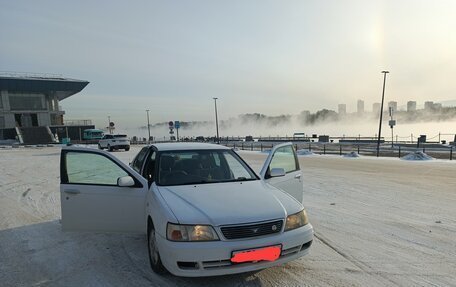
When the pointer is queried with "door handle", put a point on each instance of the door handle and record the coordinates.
(298, 176)
(72, 191)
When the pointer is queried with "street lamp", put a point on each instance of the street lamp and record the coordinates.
(148, 126)
(216, 120)
(381, 113)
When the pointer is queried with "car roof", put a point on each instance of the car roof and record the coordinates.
(188, 146)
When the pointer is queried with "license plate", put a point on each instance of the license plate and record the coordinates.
(270, 253)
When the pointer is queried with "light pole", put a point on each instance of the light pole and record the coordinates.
(216, 120)
(392, 123)
(381, 113)
(148, 126)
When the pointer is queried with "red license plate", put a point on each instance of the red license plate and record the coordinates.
(270, 253)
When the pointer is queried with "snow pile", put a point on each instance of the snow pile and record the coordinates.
(418, 155)
(304, 152)
(352, 154)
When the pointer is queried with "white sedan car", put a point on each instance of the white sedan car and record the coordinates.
(204, 210)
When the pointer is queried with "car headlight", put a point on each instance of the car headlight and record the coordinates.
(296, 220)
(178, 232)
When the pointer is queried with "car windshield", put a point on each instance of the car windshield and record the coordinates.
(120, 136)
(198, 167)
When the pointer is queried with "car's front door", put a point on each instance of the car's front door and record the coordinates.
(100, 193)
(284, 156)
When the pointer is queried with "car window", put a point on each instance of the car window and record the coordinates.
(284, 157)
(91, 168)
(149, 168)
(139, 160)
(236, 168)
(204, 166)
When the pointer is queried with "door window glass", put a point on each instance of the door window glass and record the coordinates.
(91, 168)
(238, 171)
(139, 160)
(284, 158)
(149, 168)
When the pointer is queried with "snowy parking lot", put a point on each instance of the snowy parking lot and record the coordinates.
(378, 222)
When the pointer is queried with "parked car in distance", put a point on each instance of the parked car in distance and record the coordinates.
(249, 138)
(92, 134)
(204, 210)
(114, 142)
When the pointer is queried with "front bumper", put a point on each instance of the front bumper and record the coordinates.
(195, 259)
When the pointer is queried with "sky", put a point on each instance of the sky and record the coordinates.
(271, 57)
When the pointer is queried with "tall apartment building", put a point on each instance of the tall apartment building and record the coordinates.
(360, 107)
(429, 105)
(392, 104)
(411, 106)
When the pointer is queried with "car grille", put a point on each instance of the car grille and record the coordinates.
(252, 230)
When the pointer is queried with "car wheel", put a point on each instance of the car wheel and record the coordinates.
(99, 146)
(110, 148)
(127, 148)
(154, 256)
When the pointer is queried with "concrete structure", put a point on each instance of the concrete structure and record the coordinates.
(29, 106)
(411, 106)
(360, 107)
(33, 100)
(376, 108)
(392, 104)
(342, 109)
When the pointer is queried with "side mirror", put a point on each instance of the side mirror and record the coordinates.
(276, 172)
(125, 181)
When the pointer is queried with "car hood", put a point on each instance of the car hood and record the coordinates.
(228, 203)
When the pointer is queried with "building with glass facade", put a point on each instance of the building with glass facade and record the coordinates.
(33, 100)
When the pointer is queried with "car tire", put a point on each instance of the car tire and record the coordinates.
(110, 148)
(154, 256)
(127, 148)
(99, 147)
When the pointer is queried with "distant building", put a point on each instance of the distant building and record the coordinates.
(376, 108)
(392, 104)
(429, 105)
(437, 106)
(411, 106)
(360, 107)
(30, 102)
(342, 109)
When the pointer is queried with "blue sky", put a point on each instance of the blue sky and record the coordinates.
(271, 57)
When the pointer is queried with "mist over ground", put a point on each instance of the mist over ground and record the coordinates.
(325, 122)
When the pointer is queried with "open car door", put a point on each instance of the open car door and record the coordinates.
(286, 174)
(99, 192)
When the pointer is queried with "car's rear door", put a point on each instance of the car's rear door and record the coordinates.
(90, 196)
(284, 156)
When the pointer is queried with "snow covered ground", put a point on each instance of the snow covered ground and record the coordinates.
(378, 222)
